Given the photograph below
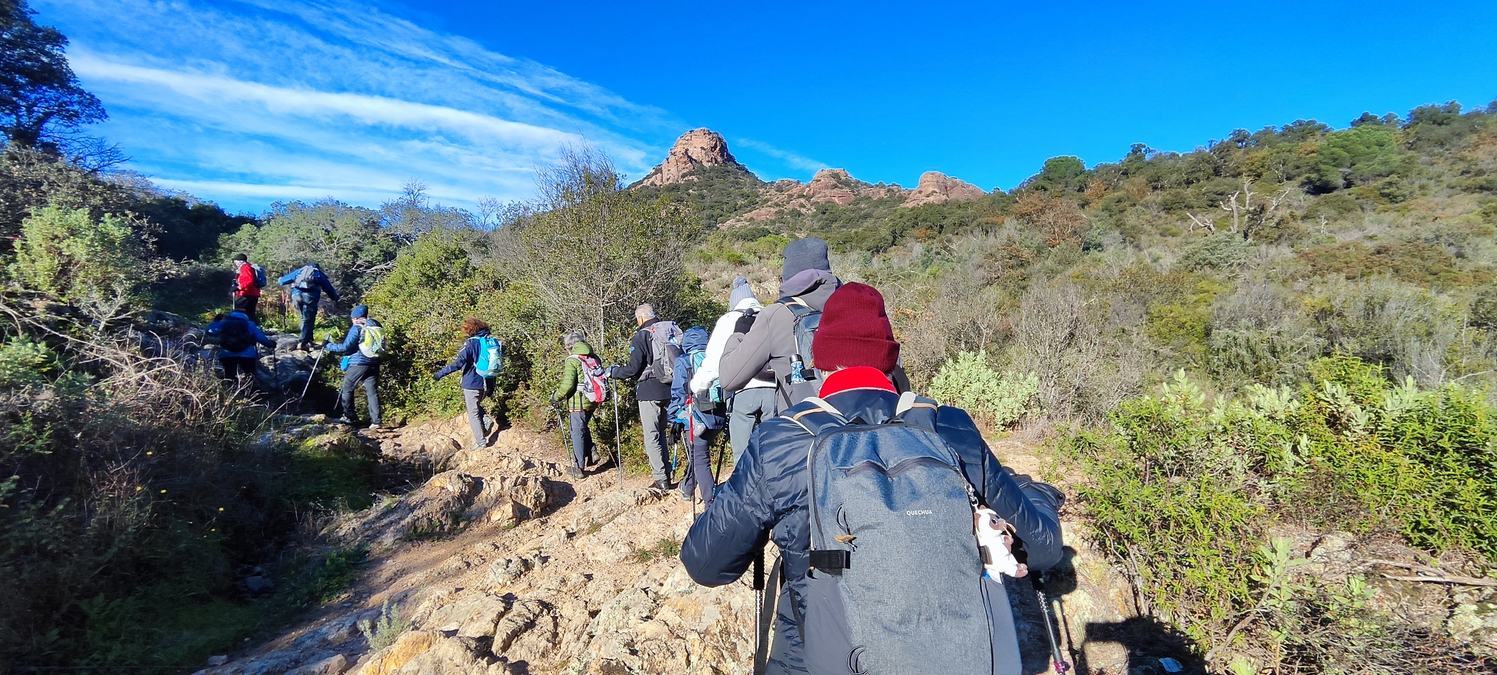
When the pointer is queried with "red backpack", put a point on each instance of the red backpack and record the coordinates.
(590, 381)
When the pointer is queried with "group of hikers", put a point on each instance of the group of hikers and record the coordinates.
(895, 523)
(239, 335)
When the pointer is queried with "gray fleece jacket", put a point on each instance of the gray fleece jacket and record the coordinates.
(767, 347)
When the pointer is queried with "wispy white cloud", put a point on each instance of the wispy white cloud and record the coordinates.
(250, 101)
(790, 159)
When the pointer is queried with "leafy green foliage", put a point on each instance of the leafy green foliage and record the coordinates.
(70, 254)
(1183, 491)
(968, 382)
(40, 99)
(347, 241)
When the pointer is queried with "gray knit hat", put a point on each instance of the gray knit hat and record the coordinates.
(805, 254)
(741, 291)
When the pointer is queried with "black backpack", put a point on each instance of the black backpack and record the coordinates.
(234, 335)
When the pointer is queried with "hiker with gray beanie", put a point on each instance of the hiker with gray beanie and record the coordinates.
(754, 402)
(777, 346)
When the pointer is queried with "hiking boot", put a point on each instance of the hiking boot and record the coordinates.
(686, 497)
(575, 472)
(345, 420)
(660, 486)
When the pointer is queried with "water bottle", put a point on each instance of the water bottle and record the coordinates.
(797, 369)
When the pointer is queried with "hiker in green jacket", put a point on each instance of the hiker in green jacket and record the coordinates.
(582, 388)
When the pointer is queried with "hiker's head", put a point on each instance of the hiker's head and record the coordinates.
(360, 314)
(240, 258)
(473, 326)
(741, 291)
(643, 313)
(803, 255)
(855, 331)
(571, 339)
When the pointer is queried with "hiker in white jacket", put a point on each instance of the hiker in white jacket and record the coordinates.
(756, 401)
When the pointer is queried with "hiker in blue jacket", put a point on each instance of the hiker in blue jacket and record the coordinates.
(700, 419)
(769, 493)
(363, 343)
(237, 336)
(307, 284)
(475, 385)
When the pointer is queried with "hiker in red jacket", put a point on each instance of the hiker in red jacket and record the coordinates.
(248, 278)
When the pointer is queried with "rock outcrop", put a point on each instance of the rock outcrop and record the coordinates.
(695, 150)
(938, 188)
(828, 186)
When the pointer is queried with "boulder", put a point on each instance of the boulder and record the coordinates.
(938, 188)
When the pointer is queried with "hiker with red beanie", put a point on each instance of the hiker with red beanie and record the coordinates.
(874, 499)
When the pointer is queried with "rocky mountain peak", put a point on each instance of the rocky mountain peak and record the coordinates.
(936, 187)
(694, 150)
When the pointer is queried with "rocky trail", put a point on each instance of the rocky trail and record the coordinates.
(500, 563)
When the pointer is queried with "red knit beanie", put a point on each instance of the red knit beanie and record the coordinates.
(855, 331)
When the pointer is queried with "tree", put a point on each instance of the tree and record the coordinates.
(1359, 155)
(1060, 174)
(594, 250)
(41, 102)
(347, 241)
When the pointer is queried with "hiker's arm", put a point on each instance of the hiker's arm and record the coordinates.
(745, 356)
(636, 363)
(1032, 510)
(568, 383)
(261, 337)
(456, 364)
(327, 285)
(287, 278)
(349, 342)
(721, 544)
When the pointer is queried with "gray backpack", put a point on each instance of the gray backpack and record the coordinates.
(896, 581)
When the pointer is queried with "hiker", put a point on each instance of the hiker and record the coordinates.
(307, 284)
(698, 415)
(249, 278)
(363, 344)
(652, 355)
(583, 387)
(237, 335)
(778, 343)
(479, 360)
(755, 402)
(874, 519)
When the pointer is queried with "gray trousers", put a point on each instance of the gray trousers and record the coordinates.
(750, 407)
(473, 399)
(652, 422)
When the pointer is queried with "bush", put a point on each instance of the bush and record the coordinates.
(81, 259)
(1183, 492)
(967, 382)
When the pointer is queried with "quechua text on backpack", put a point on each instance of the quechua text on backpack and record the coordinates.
(891, 538)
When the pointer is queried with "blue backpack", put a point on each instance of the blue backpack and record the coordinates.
(490, 356)
(896, 581)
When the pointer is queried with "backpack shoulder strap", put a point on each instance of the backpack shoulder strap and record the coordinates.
(815, 415)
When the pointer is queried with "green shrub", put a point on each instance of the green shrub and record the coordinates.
(78, 258)
(385, 630)
(1182, 491)
(968, 382)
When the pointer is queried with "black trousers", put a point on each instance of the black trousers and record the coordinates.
(248, 305)
(363, 375)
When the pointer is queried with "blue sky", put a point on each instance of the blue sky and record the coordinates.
(246, 102)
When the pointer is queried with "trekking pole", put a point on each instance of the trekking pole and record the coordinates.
(310, 376)
(722, 447)
(1037, 580)
(618, 453)
(562, 427)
